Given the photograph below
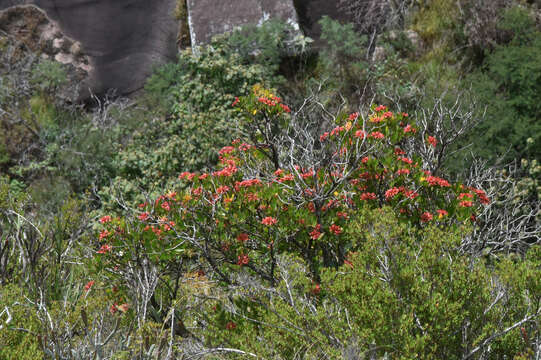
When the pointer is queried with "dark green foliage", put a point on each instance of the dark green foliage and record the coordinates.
(266, 44)
(344, 52)
(18, 338)
(404, 294)
(195, 118)
(49, 75)
(510, 86)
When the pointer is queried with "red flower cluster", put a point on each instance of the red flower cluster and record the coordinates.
(104, 234)
(242, 259)
(227, 171)
(273, 101)
(360, 134)
(391, 193)
(483, 198)
(288, 177)
(165, 205)
(442, 213)
(368, 196)
(409, 129)
(243, 237)
(402, 172)
(269, 221)
(105, 219)
(246, 183)
(222, 189)
(335, 229)
(426, 217)
(316, 233)
(226, 150)
(105, 248)
(406, 160)
(337, 130)
(432, 140)
(89, 285)
(187, 175)
(434, 180)
(143, 216)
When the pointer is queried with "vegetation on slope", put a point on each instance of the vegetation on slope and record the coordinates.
(382, 201)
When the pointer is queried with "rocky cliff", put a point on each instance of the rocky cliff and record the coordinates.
(124, 39)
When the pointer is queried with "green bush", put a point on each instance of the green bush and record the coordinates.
(510, 85)
(404, 294)
(19, 339)
(195, 94)
(49, 75)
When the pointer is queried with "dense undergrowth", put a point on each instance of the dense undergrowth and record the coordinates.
(374, 197)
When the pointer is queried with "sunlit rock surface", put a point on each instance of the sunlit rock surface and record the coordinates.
(210, 17)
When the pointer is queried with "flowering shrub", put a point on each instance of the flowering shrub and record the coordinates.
(286, 189)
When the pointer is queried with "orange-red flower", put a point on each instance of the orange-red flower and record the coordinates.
(143, 216)
(269, 221)
(335, 229)
(89, 285)
(105, 219)
(426, 217)
(377, 135)
(368, 196)
(242, 237)
(105, 248)
(316, 233)
(391, 193)
(442, 213)
(243, 259)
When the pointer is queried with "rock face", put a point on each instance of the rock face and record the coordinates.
(25, 31)
(211, 17)
(311, 11)
(123, 39)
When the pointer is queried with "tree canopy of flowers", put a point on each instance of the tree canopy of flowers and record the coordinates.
(288, 188)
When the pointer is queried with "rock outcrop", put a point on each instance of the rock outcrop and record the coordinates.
(25, 31)
(123, 39)
(210, 17)
(311, 11)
